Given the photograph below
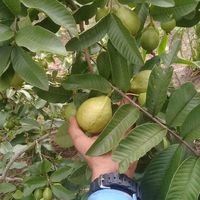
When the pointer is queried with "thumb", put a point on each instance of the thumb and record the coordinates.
(81, 141)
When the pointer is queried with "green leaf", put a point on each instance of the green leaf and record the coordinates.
(7, 187)
(139, 141)
(28, 69)
(181, 103)
(159, 81)
(4, 58)
(181, 8)
(61, 174)
(171, 57)
(54, 94)
(104, 65)
(163, 44)
(6, 16)
(62, 137)
(56, 11)
(89, 37)
(36, 39)
(119, 69)
(62, 193)
(41, 168)
(195, 64)
(5, 33)
(87, 81)
(33, 183)
(85, 12)
(190, 130)
(185, 184)
(110, 137)
(160, 172)
(13, 6)
(163, 3)
(123, 41)
(6, 78)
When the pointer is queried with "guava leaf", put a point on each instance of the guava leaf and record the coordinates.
(110, 137)
(181, 103)
(159, 81)
(138, 142)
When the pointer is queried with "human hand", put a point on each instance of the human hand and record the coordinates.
(100, 164)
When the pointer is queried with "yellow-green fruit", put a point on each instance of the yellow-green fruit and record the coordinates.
(142, 99)
(150, 39)
(166, 143)
(16, 81)
(69, 110)
(47, 194)
(168, 26)
(139, 82)
(101, 12)
(94, 114)
(38, 194)
(129, 18)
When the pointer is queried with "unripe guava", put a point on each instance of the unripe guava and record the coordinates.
(129, 19)
(16, 81)
(142, 98)
(101, 12)
(38, 194)
(47, 194)
(94, 114)
(69, 110)
(139, 82)
(168, 26)
(150, 39)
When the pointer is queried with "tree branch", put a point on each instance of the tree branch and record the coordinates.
(17, 155)
(12, 179)
(158, 121)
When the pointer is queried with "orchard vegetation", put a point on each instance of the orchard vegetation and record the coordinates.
(111, 63)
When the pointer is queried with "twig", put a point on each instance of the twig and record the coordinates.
(17, 155)
(158, 121)
(12, 179)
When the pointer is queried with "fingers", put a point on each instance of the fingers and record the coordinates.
(81, 141)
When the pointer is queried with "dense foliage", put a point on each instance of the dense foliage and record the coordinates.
(123, 55)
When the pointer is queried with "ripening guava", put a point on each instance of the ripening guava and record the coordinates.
(139, 82)
(94, 114)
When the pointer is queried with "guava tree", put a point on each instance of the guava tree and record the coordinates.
(116, 52)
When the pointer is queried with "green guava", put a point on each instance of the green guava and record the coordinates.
(101, 12)
(150, 39)
(168, 26)
(38, 194)
(142, 98)
(47, 194)
(129, 19)
(139, 82)
(94, 114)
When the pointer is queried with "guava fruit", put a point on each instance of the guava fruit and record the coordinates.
(168, 26)
(129, 19)
(139, 82)
(94, 114)
(150, 39)
(142, 98)
(47, 194)
(38, 194)
(101, 12)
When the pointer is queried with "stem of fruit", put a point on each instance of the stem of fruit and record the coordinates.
(158, 121)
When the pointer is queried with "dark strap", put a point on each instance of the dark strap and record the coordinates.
(115, 181)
